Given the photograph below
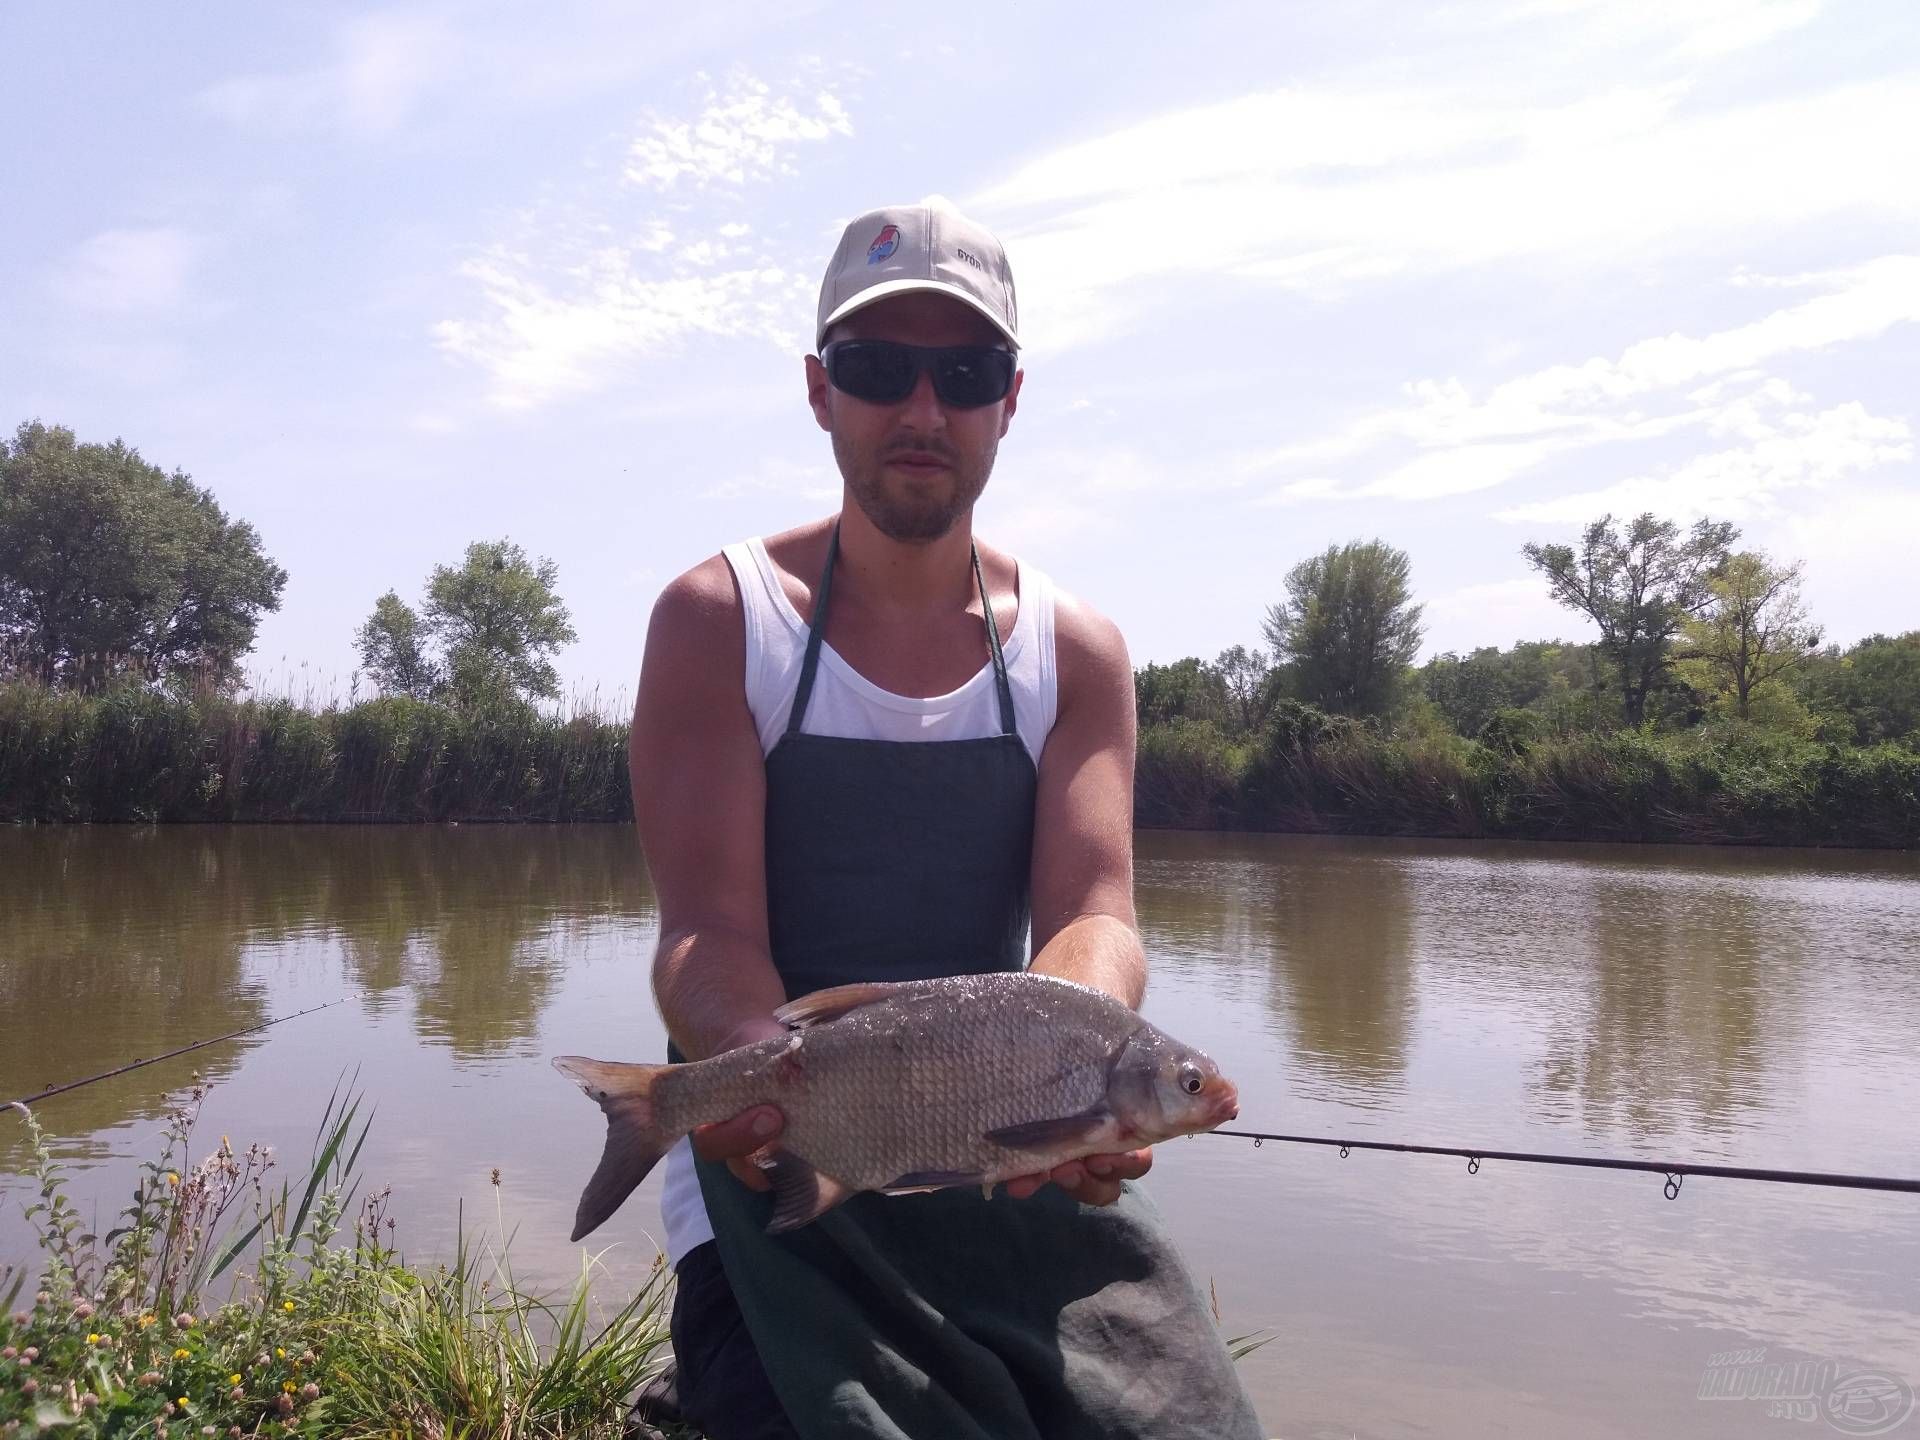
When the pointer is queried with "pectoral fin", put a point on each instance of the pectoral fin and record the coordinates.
(1062, 1130)
(800, 1193)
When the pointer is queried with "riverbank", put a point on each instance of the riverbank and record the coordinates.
(138, 756)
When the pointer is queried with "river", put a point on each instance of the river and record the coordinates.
(1738, 1007)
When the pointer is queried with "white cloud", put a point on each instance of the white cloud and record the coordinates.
(1326, 188)
(1663, 386)
(545, 335)
(1786, 449)
(123, 271)
(740, 137)
(1495, 612)
(385, 66)
(815, 481)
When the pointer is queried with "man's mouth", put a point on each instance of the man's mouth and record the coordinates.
(918, 460)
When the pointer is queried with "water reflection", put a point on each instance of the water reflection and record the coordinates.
(118, 943)
(1687, 987)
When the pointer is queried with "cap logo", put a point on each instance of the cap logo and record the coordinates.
(884, 244)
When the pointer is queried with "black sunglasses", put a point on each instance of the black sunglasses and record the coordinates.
(885, 371)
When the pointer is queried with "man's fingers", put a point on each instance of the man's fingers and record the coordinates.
(740, 1136)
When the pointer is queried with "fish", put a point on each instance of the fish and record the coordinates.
(902, 1087)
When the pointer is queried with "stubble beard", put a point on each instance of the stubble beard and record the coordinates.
(911, 519)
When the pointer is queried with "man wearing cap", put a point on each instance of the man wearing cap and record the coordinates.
(872, 749)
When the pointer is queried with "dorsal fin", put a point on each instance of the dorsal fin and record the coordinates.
(824, 1005)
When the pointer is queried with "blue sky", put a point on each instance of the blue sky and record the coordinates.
(1458, 276)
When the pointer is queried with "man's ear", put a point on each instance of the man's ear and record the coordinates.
(817, 388)
(1011, 403)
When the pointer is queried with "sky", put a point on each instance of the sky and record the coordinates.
(1456, 276)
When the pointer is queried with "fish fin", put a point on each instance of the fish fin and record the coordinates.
(1061, 1130)
(634, 1146)
(800, 1193)
(832, 1003)
(916, 1182)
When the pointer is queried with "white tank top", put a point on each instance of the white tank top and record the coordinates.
(846, 704)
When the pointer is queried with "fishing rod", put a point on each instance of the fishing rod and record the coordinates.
(1675, 1171)
(183, 1050)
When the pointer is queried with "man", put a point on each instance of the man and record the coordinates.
(864, 749)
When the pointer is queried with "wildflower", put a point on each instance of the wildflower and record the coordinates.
(173, 1177)
(183, 1354)
(152, 1377)
(309, 1391)
(9, 1353)
(43, 1299)
(89, 1401)
(496, 1177)
(146, 1320)
(283, 1404)
(29, 1387)
(234, 1432)
(233, 1379)
(236, 1394)
(23, 1317)
(169, 1409)
(206, 1429)
(92, 1339)
(83, 1311)
(184, 1320)
(181, 1402)
(288, 1307)
(307, 1357)
(287, 1385)
(30, 1354)
(280, 1353)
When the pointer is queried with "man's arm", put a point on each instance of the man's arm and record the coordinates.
(1083, 919)
(699, 803)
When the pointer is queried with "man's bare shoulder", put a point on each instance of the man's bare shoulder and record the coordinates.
(703, 602)
(1089, 650)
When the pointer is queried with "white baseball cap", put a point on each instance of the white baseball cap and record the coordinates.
(928, 246)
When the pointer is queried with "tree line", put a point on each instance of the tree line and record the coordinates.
(1705, 708)
(113, 569)
(1691, 632)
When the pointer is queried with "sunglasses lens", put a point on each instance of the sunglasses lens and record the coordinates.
(969, 378)
(872, 370)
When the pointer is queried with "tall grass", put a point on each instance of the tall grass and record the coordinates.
(136, 754)
(323, 1327)
(1726, 784)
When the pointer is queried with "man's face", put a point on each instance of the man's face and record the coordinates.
(916, 467)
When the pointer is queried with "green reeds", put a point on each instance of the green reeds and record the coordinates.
(1721, 784)
(133, 753)
(323, 1328)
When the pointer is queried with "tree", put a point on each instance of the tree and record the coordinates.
(1244, 674)
(1347, 629)
(495, 620)
(1755, 630)
(108, 562)
(392, 646)
(1468, 692)
(1639, 586)
(1187, 689)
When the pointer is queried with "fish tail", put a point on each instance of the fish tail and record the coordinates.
(635, 1141)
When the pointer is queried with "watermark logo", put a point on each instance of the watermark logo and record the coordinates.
(1853, 1402)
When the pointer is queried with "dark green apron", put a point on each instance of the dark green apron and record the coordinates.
(947, 1315)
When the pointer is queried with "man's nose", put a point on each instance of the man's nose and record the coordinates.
(922, 409)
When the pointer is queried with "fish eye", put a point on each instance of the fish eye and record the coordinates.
(1190, 1080)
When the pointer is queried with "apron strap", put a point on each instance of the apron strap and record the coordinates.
(817, 630)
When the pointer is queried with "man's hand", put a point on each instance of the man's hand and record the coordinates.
(1092, 1180)
(736, 1139)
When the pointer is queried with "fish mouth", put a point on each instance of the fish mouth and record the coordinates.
(1226, 1103)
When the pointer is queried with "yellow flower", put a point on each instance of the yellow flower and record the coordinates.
(281, 1353)
(145, 1321)
(233, 1379)
(93, 1339)
(182, 1354)
(172, 1178)
(287, 1385)
(288, 1307)
(181, 1402)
